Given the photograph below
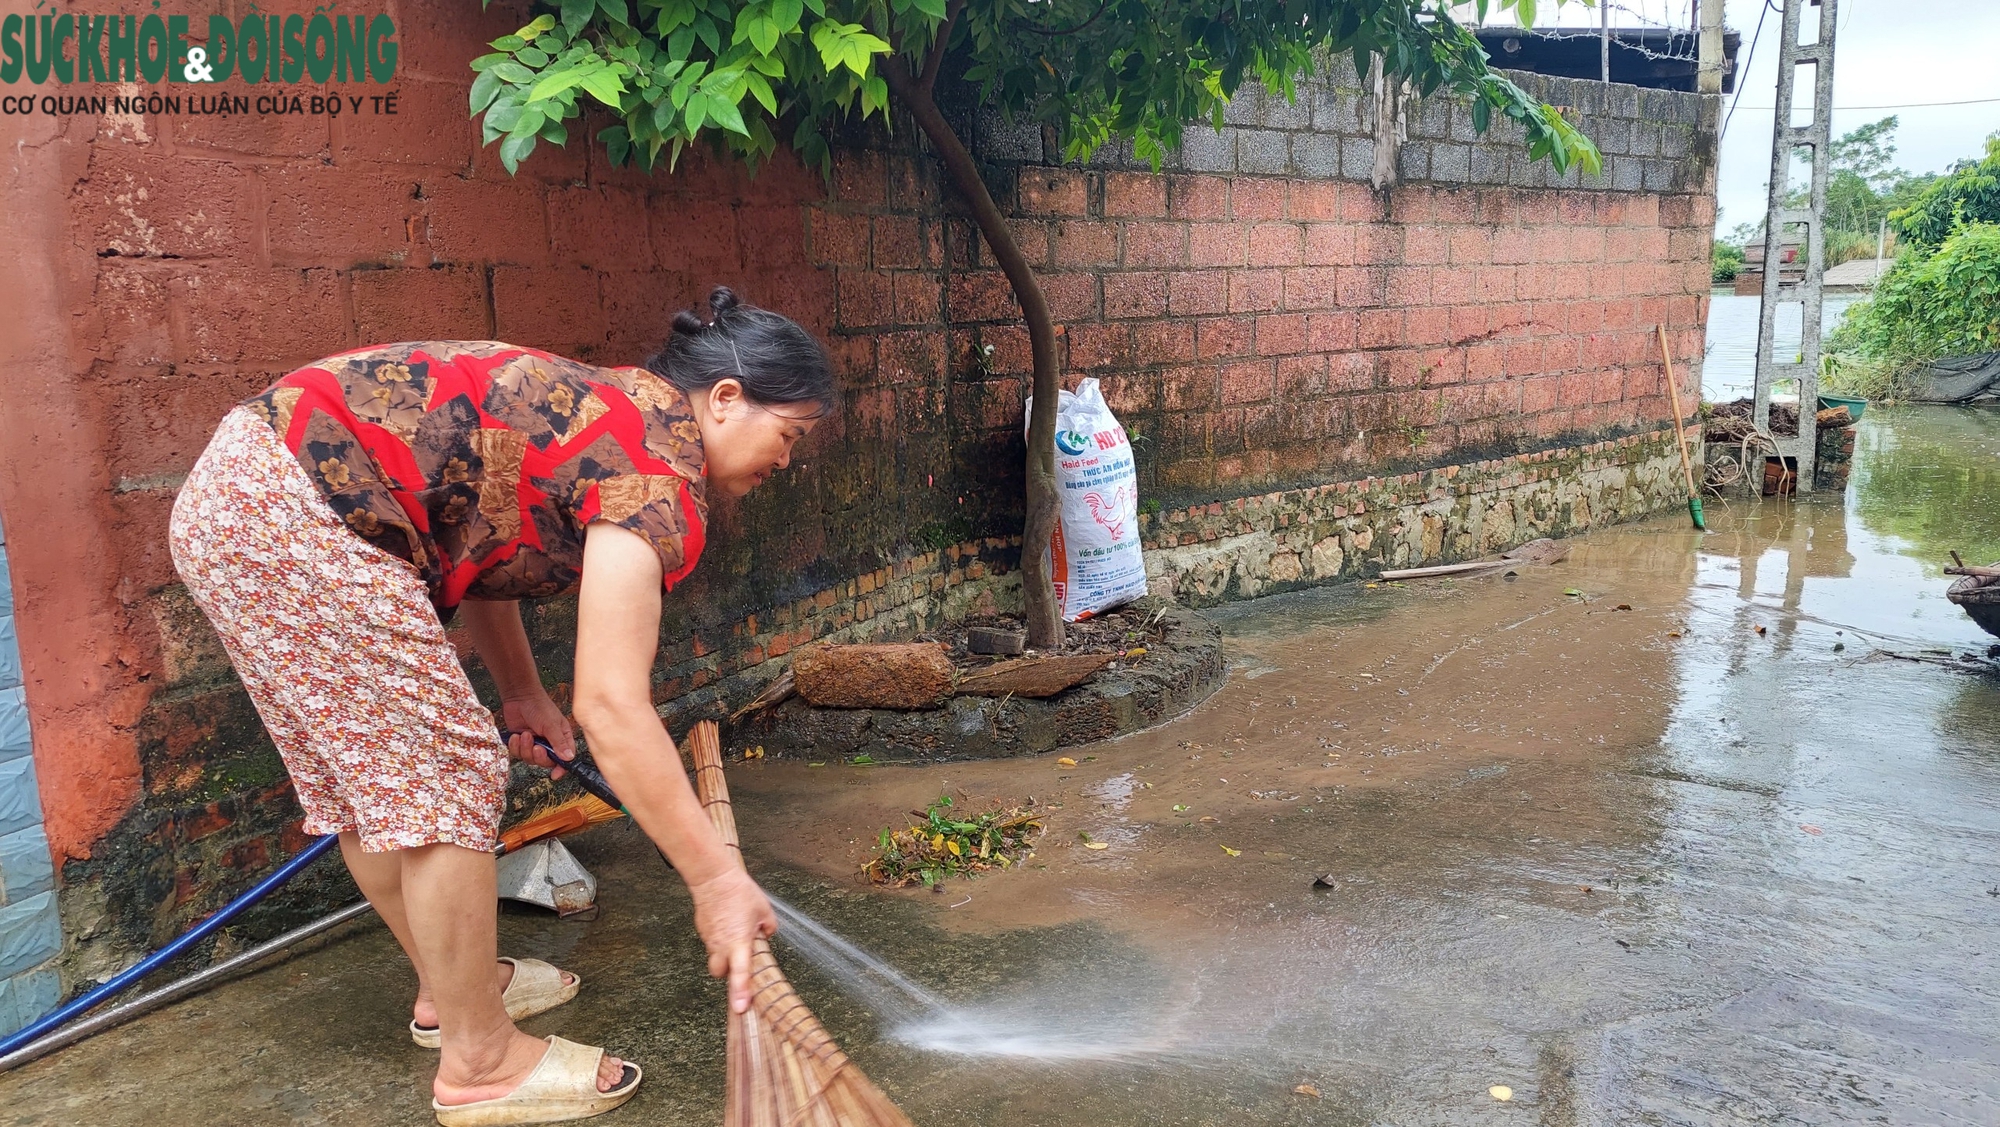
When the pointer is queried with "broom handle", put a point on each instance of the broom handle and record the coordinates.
(705, 749)
(1680, 433)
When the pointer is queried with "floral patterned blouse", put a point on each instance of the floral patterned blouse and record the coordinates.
(481, 463)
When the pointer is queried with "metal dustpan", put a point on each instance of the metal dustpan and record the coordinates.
(545, 873)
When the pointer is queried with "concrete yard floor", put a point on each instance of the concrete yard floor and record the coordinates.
(1593, 835)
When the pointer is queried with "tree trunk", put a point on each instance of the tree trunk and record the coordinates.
(1045, 624)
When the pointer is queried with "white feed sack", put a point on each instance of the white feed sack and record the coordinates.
(1094, 555)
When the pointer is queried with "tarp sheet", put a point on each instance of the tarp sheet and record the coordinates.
(1962, 379)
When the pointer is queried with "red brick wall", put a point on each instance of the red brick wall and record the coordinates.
(1255, 332)
(1262, 330)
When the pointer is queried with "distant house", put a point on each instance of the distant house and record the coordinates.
(1857, 276)
(1791, 264)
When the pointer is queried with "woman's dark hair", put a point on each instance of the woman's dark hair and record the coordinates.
(775, 360)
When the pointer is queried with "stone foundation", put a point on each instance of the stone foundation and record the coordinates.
(1207, 554)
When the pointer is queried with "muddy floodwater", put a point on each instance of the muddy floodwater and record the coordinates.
(1659, 835)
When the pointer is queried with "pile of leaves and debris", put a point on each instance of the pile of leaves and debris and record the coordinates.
(1730, 422)
(941, 845)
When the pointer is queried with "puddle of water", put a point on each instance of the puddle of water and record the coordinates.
(1641, 866)
(1645, 866)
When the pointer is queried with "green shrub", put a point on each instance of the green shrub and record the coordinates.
(1926, 307)
(1878, 381)
(1725, 263)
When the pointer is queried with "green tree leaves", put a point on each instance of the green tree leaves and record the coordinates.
(1931, 305)
(1969, 193)
(1098, 71)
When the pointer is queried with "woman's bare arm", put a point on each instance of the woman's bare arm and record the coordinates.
(525, 706)
(617, 636)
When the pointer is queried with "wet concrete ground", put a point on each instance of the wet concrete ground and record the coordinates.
(1643, 866)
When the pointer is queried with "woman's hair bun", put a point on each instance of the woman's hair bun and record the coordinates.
(770, 355)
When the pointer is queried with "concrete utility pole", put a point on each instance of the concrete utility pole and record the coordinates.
(1708, 79)
(1816, 135)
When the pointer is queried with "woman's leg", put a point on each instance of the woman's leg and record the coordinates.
(380, 876)
(384, 738)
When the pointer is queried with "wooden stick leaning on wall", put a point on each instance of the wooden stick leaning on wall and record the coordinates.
(1680, 431)
(783, 1070)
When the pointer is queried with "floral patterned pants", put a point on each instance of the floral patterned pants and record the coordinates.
(340, 649)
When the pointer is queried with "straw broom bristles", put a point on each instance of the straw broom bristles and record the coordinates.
(563, 818)
(783, 1069)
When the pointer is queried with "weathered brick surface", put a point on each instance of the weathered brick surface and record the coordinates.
(1264, 322)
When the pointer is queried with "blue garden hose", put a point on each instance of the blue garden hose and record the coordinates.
(586, 774)
(166, 954)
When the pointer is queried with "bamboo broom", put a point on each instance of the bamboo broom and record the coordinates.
(783, 1069)
(579, 813)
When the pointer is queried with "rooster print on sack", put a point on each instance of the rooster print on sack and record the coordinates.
(1110, 511)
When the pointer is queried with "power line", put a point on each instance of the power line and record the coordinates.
(1904, 106)
(1743, 72)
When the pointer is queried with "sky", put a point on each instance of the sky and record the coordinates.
(1887, 53)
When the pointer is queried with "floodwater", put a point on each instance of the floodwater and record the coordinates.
(1729, 370)
(1592, 834)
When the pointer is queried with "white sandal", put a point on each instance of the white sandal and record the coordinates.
(561, 1088)
(537, 987)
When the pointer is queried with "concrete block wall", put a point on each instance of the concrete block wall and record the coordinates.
(1263, 321)
(30, 930)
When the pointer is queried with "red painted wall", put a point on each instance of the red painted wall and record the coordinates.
(1255, 331)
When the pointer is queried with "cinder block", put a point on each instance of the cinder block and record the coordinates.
(1413, 161)
(1263, 151)
(1489, 164)
(20, 801)
(1676, 141)
(1357, 158)
(1281, 114)
(30, 933)
(1461, 125)
(1247, 107)
(26, 868)
(1658, 176)
(14, 724)
(1433, 118)
(1612, 135)
(1645, 139)
(1451, 164)
(1626, 174)
(1000, 139)
(1116, 155)
(1334, 109)
(1316, 155)
(1205, 150)
(26, 997)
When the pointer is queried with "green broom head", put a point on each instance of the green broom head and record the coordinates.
(1694, 510)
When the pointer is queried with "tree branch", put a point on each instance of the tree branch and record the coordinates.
(928, 80)
(1023, 25)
